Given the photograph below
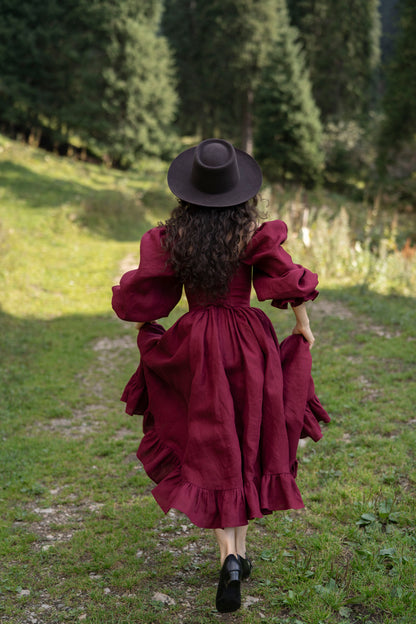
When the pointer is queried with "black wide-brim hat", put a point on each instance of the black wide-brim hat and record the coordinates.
(214, 174)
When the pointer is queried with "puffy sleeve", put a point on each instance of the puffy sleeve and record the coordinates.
(275, 275)
(152, 290)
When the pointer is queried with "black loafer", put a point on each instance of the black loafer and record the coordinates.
(228, 593)
(246, 567)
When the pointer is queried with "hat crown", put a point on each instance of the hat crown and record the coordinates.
(214, 154)
(215, 168)
(214, 174)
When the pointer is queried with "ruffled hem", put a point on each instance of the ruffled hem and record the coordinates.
(135, 393)
(212, 509)
(158, 459)
(314, 414)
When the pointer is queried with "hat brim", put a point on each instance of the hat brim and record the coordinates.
(180, 182)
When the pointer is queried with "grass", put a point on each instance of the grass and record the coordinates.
(81, 538)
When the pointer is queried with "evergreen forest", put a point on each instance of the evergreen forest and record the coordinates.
(322, 92)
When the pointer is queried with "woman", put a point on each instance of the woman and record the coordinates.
(224, 406)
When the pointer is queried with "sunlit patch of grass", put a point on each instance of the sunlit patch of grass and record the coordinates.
(65, 227)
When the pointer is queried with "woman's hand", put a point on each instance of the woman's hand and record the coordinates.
(139, 325)
(306, 332)
(302, 324)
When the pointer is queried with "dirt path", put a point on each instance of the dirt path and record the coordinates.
(337, 309)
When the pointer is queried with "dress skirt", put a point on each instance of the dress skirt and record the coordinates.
(224, 405)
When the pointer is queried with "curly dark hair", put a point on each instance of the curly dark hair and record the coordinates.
(205, 244)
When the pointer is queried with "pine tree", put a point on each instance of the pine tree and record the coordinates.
(220, 49)
(288, 134)
(32, 64)
(138, 89)
(183, 26)
(95, 69)
(400, 97)
(342, 43)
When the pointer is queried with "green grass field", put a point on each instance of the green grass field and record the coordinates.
(81, 537)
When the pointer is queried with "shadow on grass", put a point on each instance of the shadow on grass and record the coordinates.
(43, 359)
(110, 213)
(53, 369)
(38, 190)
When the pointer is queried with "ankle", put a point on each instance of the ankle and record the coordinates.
(224, 557)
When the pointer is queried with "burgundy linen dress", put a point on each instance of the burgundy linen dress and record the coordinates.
(224, 406)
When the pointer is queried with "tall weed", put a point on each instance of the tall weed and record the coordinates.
(350, 243)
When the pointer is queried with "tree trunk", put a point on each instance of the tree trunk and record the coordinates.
(247, 129)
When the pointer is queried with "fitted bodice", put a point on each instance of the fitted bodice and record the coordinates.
(238, 294)
(153, 290)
